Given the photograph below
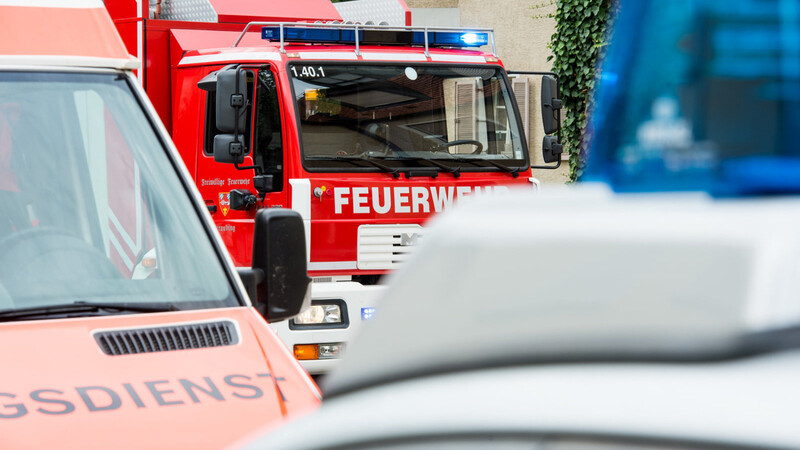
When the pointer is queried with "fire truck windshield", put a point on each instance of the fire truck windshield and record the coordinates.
(403, 114)
(91, 207)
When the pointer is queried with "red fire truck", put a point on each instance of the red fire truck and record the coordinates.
(365, 130)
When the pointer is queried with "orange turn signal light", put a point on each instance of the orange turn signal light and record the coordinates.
(149, 263)
(304, 352)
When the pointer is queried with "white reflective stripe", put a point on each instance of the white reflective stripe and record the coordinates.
(332, 265)
(230, 57)
(134, 244)
(457, 58)
(140, 41)
(120, 251)
(301, 196)
(536, 183)
(54, 3)
(301, 202)
(394, 56)
(329, 55)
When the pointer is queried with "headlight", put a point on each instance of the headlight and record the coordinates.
(320, 314)
(323, 314)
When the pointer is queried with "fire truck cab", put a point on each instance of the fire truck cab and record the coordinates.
(365, 130)
(123, 319)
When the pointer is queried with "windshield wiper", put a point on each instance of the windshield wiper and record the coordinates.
(356, 159)
(456, 171)
(504, 168)
(82, 308)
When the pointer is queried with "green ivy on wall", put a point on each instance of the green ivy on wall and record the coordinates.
(577, 45)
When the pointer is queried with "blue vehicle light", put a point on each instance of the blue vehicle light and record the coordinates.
(452, 39)
(609, 77)
(295, 34)
(710, 103)
(475, 39)
(347, 36)
(367, 313)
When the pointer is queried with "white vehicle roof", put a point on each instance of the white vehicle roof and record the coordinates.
(70, 33)
(746, 403)
(584, 277)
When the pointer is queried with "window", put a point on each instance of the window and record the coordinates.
(405, 114)
(268, 143)
(91, 208)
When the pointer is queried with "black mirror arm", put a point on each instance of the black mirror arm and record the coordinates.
(236, 165)
(251, 278)
(237, 101)
(558, 164)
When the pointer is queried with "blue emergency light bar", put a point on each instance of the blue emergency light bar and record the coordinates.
(373, 36)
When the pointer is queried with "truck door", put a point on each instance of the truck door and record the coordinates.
(261, 176)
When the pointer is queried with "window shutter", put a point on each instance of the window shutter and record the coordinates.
(465, 110)
(522, 96)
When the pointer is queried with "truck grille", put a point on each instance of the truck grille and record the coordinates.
(383, 247)
(167, 338)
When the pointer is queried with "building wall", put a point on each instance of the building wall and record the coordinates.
(432, 4)
(521, 42)
(435, 17)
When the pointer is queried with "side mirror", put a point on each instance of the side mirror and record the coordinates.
(231, 100)
(278, 282)
(229, 148)
(550, 104)
(551, 149)
(231, 114)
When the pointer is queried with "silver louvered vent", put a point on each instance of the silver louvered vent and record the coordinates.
(167, 338)
(383, 247)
